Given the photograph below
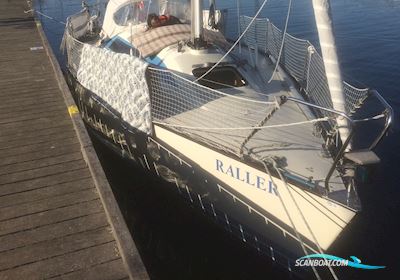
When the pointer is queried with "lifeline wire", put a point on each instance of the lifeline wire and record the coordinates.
(243, 128)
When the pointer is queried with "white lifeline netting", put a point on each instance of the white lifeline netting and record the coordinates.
(301, 61)
(187, 106)
(74, 52)
(119, 80)
(224, 119)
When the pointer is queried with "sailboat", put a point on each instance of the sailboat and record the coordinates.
(256, 133)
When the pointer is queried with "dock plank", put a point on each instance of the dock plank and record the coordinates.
(48, 204)
(20, 138)
(58, 215)
(29, 108)
(34, 88)
(29, 81)
(42, 146)
(43, 233)
(49, 111)
(35, 138)
(46, 192)
(40, 172)
(16, 133)
(53, 113)
(109, 270)
(42, 182)
(39, 122)
(28, 101)
(39, 154)
(44, 162)
(54, 247)
(60, 265)
(50, 217)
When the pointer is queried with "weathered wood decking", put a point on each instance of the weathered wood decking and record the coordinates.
(58, 217)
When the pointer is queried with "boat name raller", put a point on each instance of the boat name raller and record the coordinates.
(245, 176)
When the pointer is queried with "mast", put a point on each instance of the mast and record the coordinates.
(322, 12)
(197, 39)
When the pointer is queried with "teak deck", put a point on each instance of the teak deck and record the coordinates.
(58, 216)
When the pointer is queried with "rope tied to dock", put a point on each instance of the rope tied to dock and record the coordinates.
(44, 15)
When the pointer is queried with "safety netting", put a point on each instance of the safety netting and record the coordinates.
(301, 60)
(225, 118)
(124, 82)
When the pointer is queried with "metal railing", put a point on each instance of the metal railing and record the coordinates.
(388, 113)
(345, 144)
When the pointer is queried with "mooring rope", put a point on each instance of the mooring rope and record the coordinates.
(275, 165)
(44, 15)
(287, 213)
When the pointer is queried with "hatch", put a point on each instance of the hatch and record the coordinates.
(220, 77)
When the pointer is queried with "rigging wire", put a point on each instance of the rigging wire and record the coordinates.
(148, 8)
(283, 42)
(234, 45)
(238, 16)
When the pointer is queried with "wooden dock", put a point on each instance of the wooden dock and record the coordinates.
(58, 216)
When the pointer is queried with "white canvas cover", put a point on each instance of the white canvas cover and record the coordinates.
(110, 26)
(118, 79)
(121, 13)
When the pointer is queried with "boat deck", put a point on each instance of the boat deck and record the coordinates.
(58, 216)
(297, 148)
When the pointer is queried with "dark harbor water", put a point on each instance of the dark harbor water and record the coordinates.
(177, 243)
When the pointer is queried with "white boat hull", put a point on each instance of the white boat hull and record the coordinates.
(318, 219)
